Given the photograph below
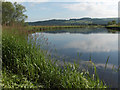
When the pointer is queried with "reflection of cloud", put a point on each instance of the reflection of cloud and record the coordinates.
(95, 43)
(99, 65)
(109, 66)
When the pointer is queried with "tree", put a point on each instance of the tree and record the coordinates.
(7, 12)
(112, 22)
(109, 23)
(118, 23)
(12, 13)
(0, 13)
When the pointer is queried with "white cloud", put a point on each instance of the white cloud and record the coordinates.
(27, 0)
(94, 9)
(63, 0)
(97, 0)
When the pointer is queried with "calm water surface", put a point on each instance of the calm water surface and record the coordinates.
(97, 43)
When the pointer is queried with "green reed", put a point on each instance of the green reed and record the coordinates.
(26, 66)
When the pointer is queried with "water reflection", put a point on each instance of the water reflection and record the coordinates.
(93, 42)
(100, 46)
(97, 43)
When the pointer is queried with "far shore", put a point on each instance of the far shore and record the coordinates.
(113, 27)
(44, 28)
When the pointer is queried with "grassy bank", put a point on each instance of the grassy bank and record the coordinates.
(44, 28)
(113, 27)
(26, 66)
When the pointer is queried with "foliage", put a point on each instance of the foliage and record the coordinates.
(26, 66)
(12, 13)
(73, 22)
(112, 22)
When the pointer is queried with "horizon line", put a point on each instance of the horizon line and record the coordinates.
(72, 18)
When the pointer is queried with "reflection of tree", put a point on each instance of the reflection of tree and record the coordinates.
(81, 30)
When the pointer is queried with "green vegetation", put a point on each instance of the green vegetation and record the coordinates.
(72, 22)
(112, 22)
(26, 66)
(13, 13)
(113, 26)
(50, 28)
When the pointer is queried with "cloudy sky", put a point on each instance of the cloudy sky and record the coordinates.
(39, 10)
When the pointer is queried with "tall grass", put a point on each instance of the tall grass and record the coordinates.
(26, 66)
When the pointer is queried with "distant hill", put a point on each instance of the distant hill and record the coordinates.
(81, 21)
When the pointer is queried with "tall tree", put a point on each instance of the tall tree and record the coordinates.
(12, 13)
(0, 12)
(113, 22)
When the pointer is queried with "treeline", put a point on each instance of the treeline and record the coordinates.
(72, 22)
(112, 22)
(13, 13)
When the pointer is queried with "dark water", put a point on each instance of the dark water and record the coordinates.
(97, 43)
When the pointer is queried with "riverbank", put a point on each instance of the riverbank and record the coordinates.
(50, 28)
(26, 66)
(113, 27)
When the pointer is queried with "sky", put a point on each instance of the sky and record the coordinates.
(40, 10)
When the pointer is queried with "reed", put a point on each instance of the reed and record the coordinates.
(27, 66)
